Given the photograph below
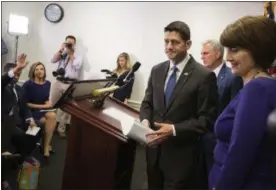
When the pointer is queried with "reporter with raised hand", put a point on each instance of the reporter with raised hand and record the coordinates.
(12, 93)
(15, 116)
(21, 64)
(7, 78)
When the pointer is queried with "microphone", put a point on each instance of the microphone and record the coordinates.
(106, 71)
(135, 67)
(102, 91)
(112, 76)
(109, 74)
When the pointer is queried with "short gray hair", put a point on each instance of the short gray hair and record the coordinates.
(216, 45)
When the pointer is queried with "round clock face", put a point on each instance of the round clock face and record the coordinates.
(54, 13)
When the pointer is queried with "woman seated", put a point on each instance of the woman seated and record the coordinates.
(37, 90)
(123, 67)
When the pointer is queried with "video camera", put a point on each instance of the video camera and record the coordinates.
(59, 72)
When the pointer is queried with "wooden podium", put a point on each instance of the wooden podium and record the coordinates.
(98, 155)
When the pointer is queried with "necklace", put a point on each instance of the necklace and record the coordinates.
(258, 72)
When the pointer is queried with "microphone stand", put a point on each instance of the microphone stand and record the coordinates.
(110, 84)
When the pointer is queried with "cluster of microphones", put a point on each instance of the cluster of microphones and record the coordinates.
(112, 86)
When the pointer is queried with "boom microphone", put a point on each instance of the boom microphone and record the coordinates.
(102, 91)
(106, 71)
(135, 67)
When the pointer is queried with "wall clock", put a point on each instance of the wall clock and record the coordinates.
(54, 13)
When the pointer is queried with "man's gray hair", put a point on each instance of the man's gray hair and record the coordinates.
(216, 45)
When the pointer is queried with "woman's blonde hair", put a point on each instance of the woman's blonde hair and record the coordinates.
(128, 64)
(32, 70)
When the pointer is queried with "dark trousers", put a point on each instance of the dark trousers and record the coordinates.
(175, 175)
(9, 170)
(125, 166)
(208, 142)
(15, 140)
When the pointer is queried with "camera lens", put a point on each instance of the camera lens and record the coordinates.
(69, 45)
(60, 72)
(54, 73)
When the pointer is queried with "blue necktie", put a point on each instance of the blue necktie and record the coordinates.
(170, 85)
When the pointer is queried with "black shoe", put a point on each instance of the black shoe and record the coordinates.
(52, 151)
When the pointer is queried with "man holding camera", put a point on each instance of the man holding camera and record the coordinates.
(68, 71)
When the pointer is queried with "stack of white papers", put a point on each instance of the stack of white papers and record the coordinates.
(131, 127)
(48, 110)
(32, 130)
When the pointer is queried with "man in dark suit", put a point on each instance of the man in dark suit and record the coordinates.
(180, 105)
(228, 87)
(14, 140)
(16, 116)
(228, 84)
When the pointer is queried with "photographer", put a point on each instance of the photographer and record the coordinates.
(68, 70)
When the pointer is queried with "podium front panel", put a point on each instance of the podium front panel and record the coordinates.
(98, 155)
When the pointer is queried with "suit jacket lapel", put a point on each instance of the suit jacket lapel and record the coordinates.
(184, 76)
(162, 78)
(11, 92)
(220, 78)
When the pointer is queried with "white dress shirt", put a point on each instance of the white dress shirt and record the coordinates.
(180, 66)
(72, 69)
(11, 75)
(217, 70)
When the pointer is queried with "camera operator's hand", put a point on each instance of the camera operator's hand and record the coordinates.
(70, 54)
(63, 45)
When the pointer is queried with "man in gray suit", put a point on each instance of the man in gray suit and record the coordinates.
(180, 105)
